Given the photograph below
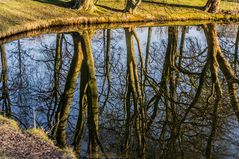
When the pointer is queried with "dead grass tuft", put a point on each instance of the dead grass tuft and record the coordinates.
(34, 143)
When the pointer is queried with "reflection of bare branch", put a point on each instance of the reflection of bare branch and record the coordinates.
(107, 69)
(198, 93)
(230, 77)
(57, 66)
(134, 89)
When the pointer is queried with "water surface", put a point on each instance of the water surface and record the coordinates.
(149, 92)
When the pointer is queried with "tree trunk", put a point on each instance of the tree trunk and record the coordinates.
(82, 108)
(67, 96)
(230, 77)
(56, 85)
(236, 51)
(88, 99)
(213, 48)
(92, 97)
(170, 80)
(5, 94)
(132, 5)
(136, 91)
(220, 60)
(86, 5)
(212, 6)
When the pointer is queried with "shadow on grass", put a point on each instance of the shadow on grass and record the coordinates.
(60, 3)
(173, 5)
(70, 4)
(110, 8)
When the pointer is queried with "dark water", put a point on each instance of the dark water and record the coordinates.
(149, 92)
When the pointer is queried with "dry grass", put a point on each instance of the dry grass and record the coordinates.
(68, 152)
(34, 143)
(17, 16)
(225, 5)
(41, 134)
(8, 122)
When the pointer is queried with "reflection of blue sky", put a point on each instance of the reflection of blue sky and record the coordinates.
(38, 53)
(35, 46)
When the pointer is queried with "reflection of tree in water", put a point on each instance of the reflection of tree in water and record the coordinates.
(6, 104)
(139, 97)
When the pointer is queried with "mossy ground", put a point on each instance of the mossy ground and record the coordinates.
(21, 15)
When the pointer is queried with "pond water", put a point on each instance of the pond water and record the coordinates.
(136, 92)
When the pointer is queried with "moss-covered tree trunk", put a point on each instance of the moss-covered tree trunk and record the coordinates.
(213, 48)
(132, 5)
(56, 84)
(218, 60)
(169, 84)
(92, 96)
(86, 5)
(82, 115)
(212, 6)
(134, 89)
(236, 60)
(67, 96)
(88, 99)
(228, 72)
(6, 108)
(82, 107)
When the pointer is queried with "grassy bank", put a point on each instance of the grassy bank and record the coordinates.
(20, 15)
(33, 143)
